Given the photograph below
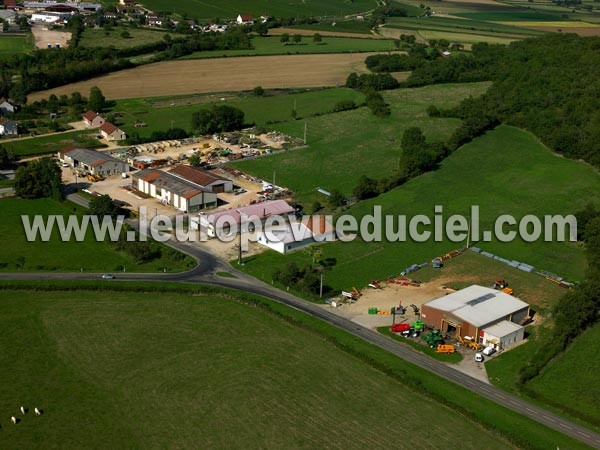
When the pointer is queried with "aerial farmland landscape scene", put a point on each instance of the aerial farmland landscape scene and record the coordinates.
(300, 224)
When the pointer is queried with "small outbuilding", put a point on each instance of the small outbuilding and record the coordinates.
(502, 335)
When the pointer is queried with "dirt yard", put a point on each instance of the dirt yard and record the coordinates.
(384, 299)
(43, 36)
(220, 75)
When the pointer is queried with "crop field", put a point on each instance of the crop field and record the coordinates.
(511, 16)
(97, 37)
(339, 150)
(220, 75)
(18, 254)
(53, 142)
(281, 8)
(460, 25)
(507, 171)
(158, 114)
(273, 46)
(132, 370)
(353, 27)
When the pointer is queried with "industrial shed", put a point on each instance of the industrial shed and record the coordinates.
(503, 334)
(170, 190)
(204, 178)
(473, 311)
(93, 161)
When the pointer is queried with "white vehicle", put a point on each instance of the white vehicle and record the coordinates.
(108, 276)
(478, 357)
(489, 350)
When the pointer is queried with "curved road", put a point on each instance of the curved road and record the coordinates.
(205, 273)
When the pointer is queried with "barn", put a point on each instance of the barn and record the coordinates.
(478, 312)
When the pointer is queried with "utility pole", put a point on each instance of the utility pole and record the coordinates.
(305, 131)
(321, 287)
(273, 179)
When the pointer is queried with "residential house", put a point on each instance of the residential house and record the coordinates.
(111, 132)
(6, 107)
(8, 15)
(154, 21)
(245, 19)
(111, 15)
(8, 127)
(92, 119)
(171, 190)
(295, 235)
(207, 180)
(93, 161)
(11, 4)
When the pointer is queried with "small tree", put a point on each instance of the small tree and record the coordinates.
(336, 199)
(125, 34)
(258, 91)
(317, 38)
(38, 179)
(297, 38)
(195, 160)
(285, 38)
(102, 206)
(316, 206)
(96, 101)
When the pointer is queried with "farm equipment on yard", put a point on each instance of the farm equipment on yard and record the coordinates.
(508, 291)
(375, 284)
(416, 310)
(418, 325)
(445, 348)
(400, 327)
(500, 284)
(433, 338)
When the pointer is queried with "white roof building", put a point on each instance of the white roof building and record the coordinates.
(297, 234)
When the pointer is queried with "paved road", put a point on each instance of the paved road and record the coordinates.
(208, 265)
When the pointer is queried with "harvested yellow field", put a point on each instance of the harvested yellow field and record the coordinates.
(561, 25)
(220, 75)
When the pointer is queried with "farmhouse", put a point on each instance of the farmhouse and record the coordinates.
(111, 132)
(92, 119)
(6, 107)
(92, 161)
(245, 19)
(221, 221)
(171, 190)
(485, 314)
(297, 235)
(203, 178)
(11, 4)
(154, 21)
(8, 15)
(8, 127)
(49, 17)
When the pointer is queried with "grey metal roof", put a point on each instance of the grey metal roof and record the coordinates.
(89, 156)
(502, 329)
(478, 305)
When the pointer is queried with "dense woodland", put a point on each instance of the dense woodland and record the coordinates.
(549, 86)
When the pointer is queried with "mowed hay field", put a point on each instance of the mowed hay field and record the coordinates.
(220, 75)
(133, 370)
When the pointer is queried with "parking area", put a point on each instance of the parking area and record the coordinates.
(45, 37)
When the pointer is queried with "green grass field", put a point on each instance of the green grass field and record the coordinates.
(229, 9)
(346, 144)
(132, 370)
(506, 171)
(56, 255)
(15, 44)
(571, 379)
(341, 26)
(458, 25)
(97, 37)
(271, 45)
(158, 113)
(512, 16)
(54, 142)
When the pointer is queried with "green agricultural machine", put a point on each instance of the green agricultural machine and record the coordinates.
(433, 338)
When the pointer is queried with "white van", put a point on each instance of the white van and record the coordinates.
(489, 350)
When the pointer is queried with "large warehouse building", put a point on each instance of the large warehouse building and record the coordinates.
(93, 161)
(172, 190)
(488, 315)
